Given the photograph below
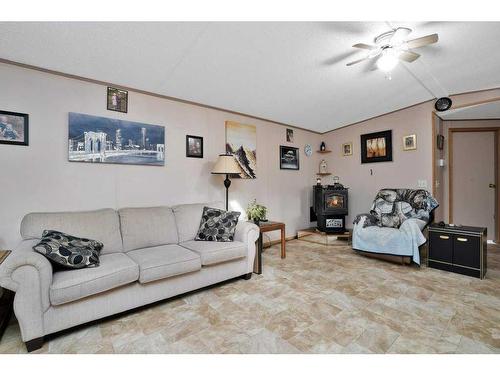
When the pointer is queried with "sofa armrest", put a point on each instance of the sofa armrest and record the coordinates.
(248, 233)
(29, 274)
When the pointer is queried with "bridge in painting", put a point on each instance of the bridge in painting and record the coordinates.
(87, 156)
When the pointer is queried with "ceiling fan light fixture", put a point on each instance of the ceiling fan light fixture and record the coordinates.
(388, 60)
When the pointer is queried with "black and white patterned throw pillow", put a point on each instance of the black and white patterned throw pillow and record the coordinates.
(217, 225)
(69, 251)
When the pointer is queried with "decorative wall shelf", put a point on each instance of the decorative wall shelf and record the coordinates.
(323, 174)
(324, 152)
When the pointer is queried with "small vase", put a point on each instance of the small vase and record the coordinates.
(256, 221)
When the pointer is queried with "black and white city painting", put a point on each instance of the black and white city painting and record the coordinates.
(95, 139)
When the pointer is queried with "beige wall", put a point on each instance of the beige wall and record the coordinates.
(40, 178)
(407, 167)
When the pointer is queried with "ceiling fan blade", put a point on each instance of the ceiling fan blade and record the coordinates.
(364, 46)
(399, 35)
(358, 61)
(423, 41)
(408, 56)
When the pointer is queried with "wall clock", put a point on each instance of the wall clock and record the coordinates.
(308, 150)
(443, 104)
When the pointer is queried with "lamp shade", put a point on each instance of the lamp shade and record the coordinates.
(226, 165)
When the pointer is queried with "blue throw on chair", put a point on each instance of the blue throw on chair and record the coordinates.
(395, 223)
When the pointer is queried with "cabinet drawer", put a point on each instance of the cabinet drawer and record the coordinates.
(441, 247)
(466, 251)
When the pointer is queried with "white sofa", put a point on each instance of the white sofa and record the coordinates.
(149, 254)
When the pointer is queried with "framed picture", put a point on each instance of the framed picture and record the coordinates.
(347, 149)
(410, 142)
(289, 158)
(376, 147)
(194, 146)
(289, 135)
(241, 142)
(14, 128)
(94, 139)
(117, 100)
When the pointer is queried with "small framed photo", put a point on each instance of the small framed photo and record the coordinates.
(14, 128)
(410, 142)
(194, 146)
(289, 158)
(347, 149)
(289, 135)
(117, 100)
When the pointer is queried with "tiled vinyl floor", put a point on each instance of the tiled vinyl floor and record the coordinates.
(318, 300)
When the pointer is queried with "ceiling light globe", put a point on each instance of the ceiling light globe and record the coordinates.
(387, 61)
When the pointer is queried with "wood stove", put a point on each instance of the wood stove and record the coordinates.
(331, 207)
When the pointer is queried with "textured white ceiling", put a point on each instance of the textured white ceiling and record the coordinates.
(478, 112)
(290, 72)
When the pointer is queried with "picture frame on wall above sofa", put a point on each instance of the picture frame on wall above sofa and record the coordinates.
(194, 146)
(95, 139)
(376, 147)
(117, 100)
(241, 142)
(14, 128)
(410, 142)
(289, 158)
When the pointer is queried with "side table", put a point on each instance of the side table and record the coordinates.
(6, 299)
(268, 226)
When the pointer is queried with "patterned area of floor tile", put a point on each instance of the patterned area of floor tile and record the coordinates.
(318, 300)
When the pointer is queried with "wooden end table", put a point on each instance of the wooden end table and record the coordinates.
(268, 226)
(5, 300)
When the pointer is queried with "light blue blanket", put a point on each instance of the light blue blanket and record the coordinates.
(404, 240)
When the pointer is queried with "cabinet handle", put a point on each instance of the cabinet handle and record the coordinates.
(461, 239)
(444, 237)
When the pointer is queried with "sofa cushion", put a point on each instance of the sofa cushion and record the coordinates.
(147, 227)
(217, 225)
(160, 262)
(100, 225)
(188, 216)
(67, 251)
(115, 270)
(216, 252)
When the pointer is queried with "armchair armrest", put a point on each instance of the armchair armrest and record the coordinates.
(247, 233)
(366, 220)
(29, 274)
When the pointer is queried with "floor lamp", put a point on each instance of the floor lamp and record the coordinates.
(226, 164)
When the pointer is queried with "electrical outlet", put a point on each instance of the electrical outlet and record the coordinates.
(422, 184)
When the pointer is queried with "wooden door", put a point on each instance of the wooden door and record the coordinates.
(473, 180)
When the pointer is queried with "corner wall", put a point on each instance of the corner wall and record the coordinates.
(407, 167)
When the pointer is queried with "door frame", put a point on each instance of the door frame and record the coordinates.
(496, 132)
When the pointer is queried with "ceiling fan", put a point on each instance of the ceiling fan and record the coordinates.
(392, 46)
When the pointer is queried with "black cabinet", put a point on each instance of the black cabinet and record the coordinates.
(458, 249)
